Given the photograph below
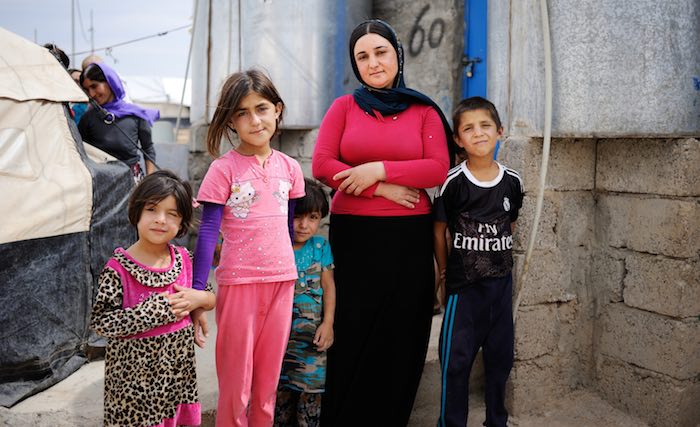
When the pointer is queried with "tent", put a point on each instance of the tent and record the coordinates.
(62, 212)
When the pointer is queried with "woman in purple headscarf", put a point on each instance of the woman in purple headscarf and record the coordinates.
(118, 126)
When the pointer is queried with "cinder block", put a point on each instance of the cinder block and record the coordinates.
(536, 383)
(547, 230)
(564, 331)
(297, 143)
(306, 167)
(308, 142)
(651, 341)
(656, 398)
(553, 276)
(634, 166)
(287, 142)
(574, 346)
(571, 163)
(663, 285)
(566, 220)
(652, 225)
(576, 215)
(607, 275)
(537, 331)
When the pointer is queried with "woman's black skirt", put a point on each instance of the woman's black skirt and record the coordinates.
(385, 285)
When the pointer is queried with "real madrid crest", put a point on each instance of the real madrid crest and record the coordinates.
(506, 204)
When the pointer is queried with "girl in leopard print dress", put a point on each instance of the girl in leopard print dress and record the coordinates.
(143, 307)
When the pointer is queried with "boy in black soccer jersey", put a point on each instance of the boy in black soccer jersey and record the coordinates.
(478, 204)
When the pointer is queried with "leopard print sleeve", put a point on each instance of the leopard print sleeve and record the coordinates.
(110, 320)
(189, 254)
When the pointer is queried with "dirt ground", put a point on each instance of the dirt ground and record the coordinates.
(77, 401)
(578, 409)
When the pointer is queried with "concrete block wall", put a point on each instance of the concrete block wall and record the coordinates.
(554, 327)
(612, 297)
(632, 285)
(647, 225)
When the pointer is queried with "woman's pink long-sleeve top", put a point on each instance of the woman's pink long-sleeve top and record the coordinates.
(411, 145)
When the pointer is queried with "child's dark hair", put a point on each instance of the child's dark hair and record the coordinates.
(94, 73)
(471, 104)
(315, 199)
(156, 187)
(236, 87)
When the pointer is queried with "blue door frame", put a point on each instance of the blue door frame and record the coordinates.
(475, 49)
(474, 59)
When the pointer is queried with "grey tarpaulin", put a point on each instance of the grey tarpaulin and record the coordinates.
(47, 286)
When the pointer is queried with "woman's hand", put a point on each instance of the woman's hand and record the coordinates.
(399, 194)
(324, 336)
(359, 178)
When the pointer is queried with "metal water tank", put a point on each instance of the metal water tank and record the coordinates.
(301, 44)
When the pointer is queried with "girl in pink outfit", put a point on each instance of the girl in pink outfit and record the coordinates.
(246, 194)
(143, 306)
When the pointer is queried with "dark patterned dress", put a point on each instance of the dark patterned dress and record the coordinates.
(150, 377)
(304, 367)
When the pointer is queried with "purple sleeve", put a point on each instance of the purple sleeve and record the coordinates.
(206, 243)
(290, 212)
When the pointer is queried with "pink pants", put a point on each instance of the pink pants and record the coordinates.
(253, 323)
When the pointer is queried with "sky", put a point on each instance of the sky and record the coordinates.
(114, 22)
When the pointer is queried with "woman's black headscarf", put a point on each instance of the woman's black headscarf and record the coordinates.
(398, 97)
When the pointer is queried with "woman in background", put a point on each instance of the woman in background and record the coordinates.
(118, 126)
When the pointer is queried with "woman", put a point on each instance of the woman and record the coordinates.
(131, 123)
(380, 148)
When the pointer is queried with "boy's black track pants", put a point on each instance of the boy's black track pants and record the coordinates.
(477, 316)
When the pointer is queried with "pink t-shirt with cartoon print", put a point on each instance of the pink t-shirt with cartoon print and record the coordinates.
(257, 247)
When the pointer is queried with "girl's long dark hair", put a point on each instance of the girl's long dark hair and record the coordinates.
(236, 87)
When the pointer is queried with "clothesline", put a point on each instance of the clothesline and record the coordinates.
(162, 33)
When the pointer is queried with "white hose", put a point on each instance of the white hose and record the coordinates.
(546, 42)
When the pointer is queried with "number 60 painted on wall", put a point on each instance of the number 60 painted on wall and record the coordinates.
(435, 33)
